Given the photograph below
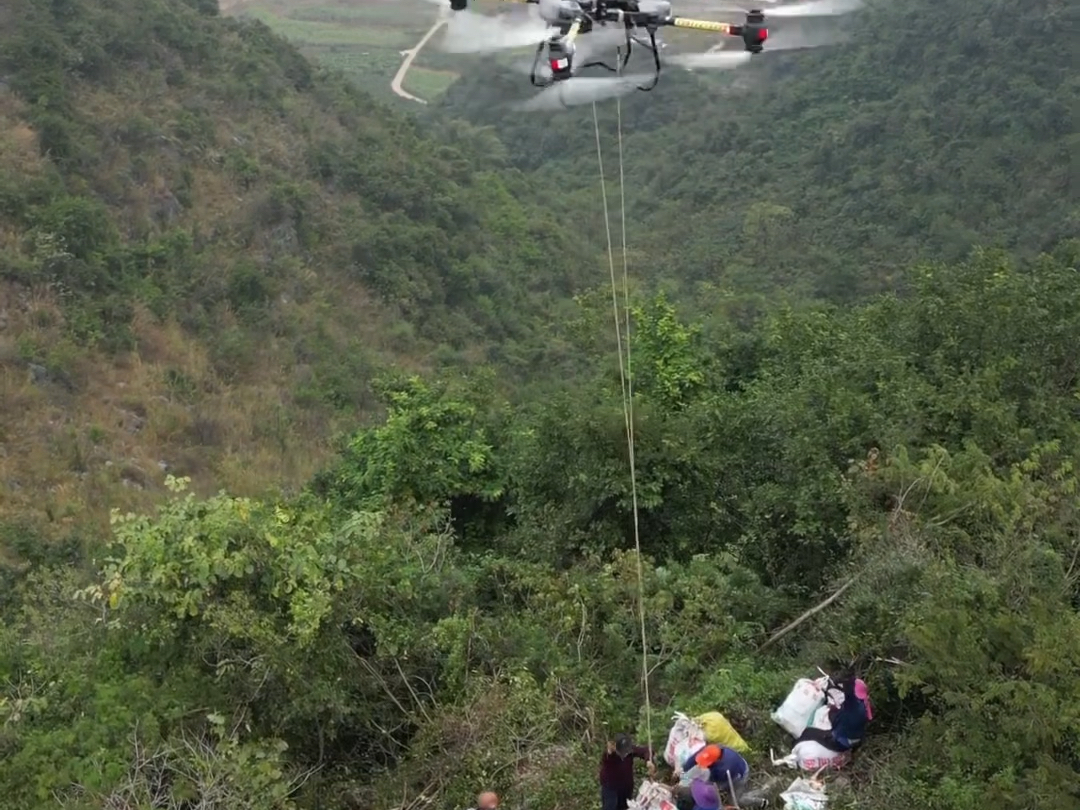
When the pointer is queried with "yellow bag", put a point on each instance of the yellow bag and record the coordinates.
(719, 731)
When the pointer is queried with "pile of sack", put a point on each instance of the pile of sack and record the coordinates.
(809, 705)
(652, 796)
(690, 734)
(687, 735)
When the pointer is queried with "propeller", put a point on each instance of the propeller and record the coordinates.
(795, 39)
(581, 90)
(716, 60)
(470, 32)
(816, 8)
(796, 35)
(788, 39)
(810, 8)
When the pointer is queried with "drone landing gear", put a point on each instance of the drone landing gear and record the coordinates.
(624, 58)
(560, 56)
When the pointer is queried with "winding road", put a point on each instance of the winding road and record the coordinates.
(410, 55)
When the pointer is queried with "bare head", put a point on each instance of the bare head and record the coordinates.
(487, 801)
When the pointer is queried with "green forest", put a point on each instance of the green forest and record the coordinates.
(315, 482)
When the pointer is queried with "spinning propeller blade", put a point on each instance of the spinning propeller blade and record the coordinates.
(816, 8)
(581, 90)
(796, 39)
(715, 60)
(468, 32)
(811, 8)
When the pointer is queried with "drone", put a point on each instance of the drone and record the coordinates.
(569, 21)
(573, 18)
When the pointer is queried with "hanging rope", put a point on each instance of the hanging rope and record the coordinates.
(626, 380)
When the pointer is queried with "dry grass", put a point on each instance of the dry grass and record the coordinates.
(69, 453)
(19, 154)
(18, 142)
(98, 431)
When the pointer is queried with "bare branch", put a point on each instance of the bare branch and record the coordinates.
(382, 682)
(408, 685)
(581, 632)
(1069, 576)
(812, 611)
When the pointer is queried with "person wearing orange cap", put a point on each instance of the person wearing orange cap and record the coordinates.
(726, 768)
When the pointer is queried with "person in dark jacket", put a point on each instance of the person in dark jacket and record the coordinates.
(617, 771)
(721, 762)
(727, 770)
(848, 721)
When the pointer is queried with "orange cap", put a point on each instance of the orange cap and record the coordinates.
(708, 755)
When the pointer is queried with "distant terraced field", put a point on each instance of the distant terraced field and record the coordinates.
(363, 38)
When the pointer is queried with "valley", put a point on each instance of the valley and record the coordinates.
(320, 482)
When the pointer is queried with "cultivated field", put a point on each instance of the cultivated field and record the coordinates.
(363, 38)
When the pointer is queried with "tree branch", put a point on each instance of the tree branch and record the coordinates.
(817, 608)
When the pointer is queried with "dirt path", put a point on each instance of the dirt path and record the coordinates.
(410, 55)
(395, 84)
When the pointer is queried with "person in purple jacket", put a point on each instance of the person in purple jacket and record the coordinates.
(617, 771)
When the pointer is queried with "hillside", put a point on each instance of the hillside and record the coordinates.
(209, 248)
(316, 490)
(450, 606)
(828, 170)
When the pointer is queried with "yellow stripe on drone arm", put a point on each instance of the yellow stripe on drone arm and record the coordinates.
(701, 25)
(575, 29)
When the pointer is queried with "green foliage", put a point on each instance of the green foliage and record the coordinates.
(432, 447)
(980, 612)
(179, 568)
(458, 602)
(438, 232)
(669, 353)
(454, 649)
(824, 172)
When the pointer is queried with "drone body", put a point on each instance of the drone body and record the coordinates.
(573, 18)
(571, 22)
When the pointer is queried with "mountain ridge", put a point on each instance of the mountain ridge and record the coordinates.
(249, 236)
(858, 158)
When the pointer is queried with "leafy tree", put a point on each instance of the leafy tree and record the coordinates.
(435, 446)
(826, 171)
(669, 352)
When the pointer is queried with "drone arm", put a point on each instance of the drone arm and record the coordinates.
(704, 25)
(461, 5)
(572, 33)
(753, 34)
